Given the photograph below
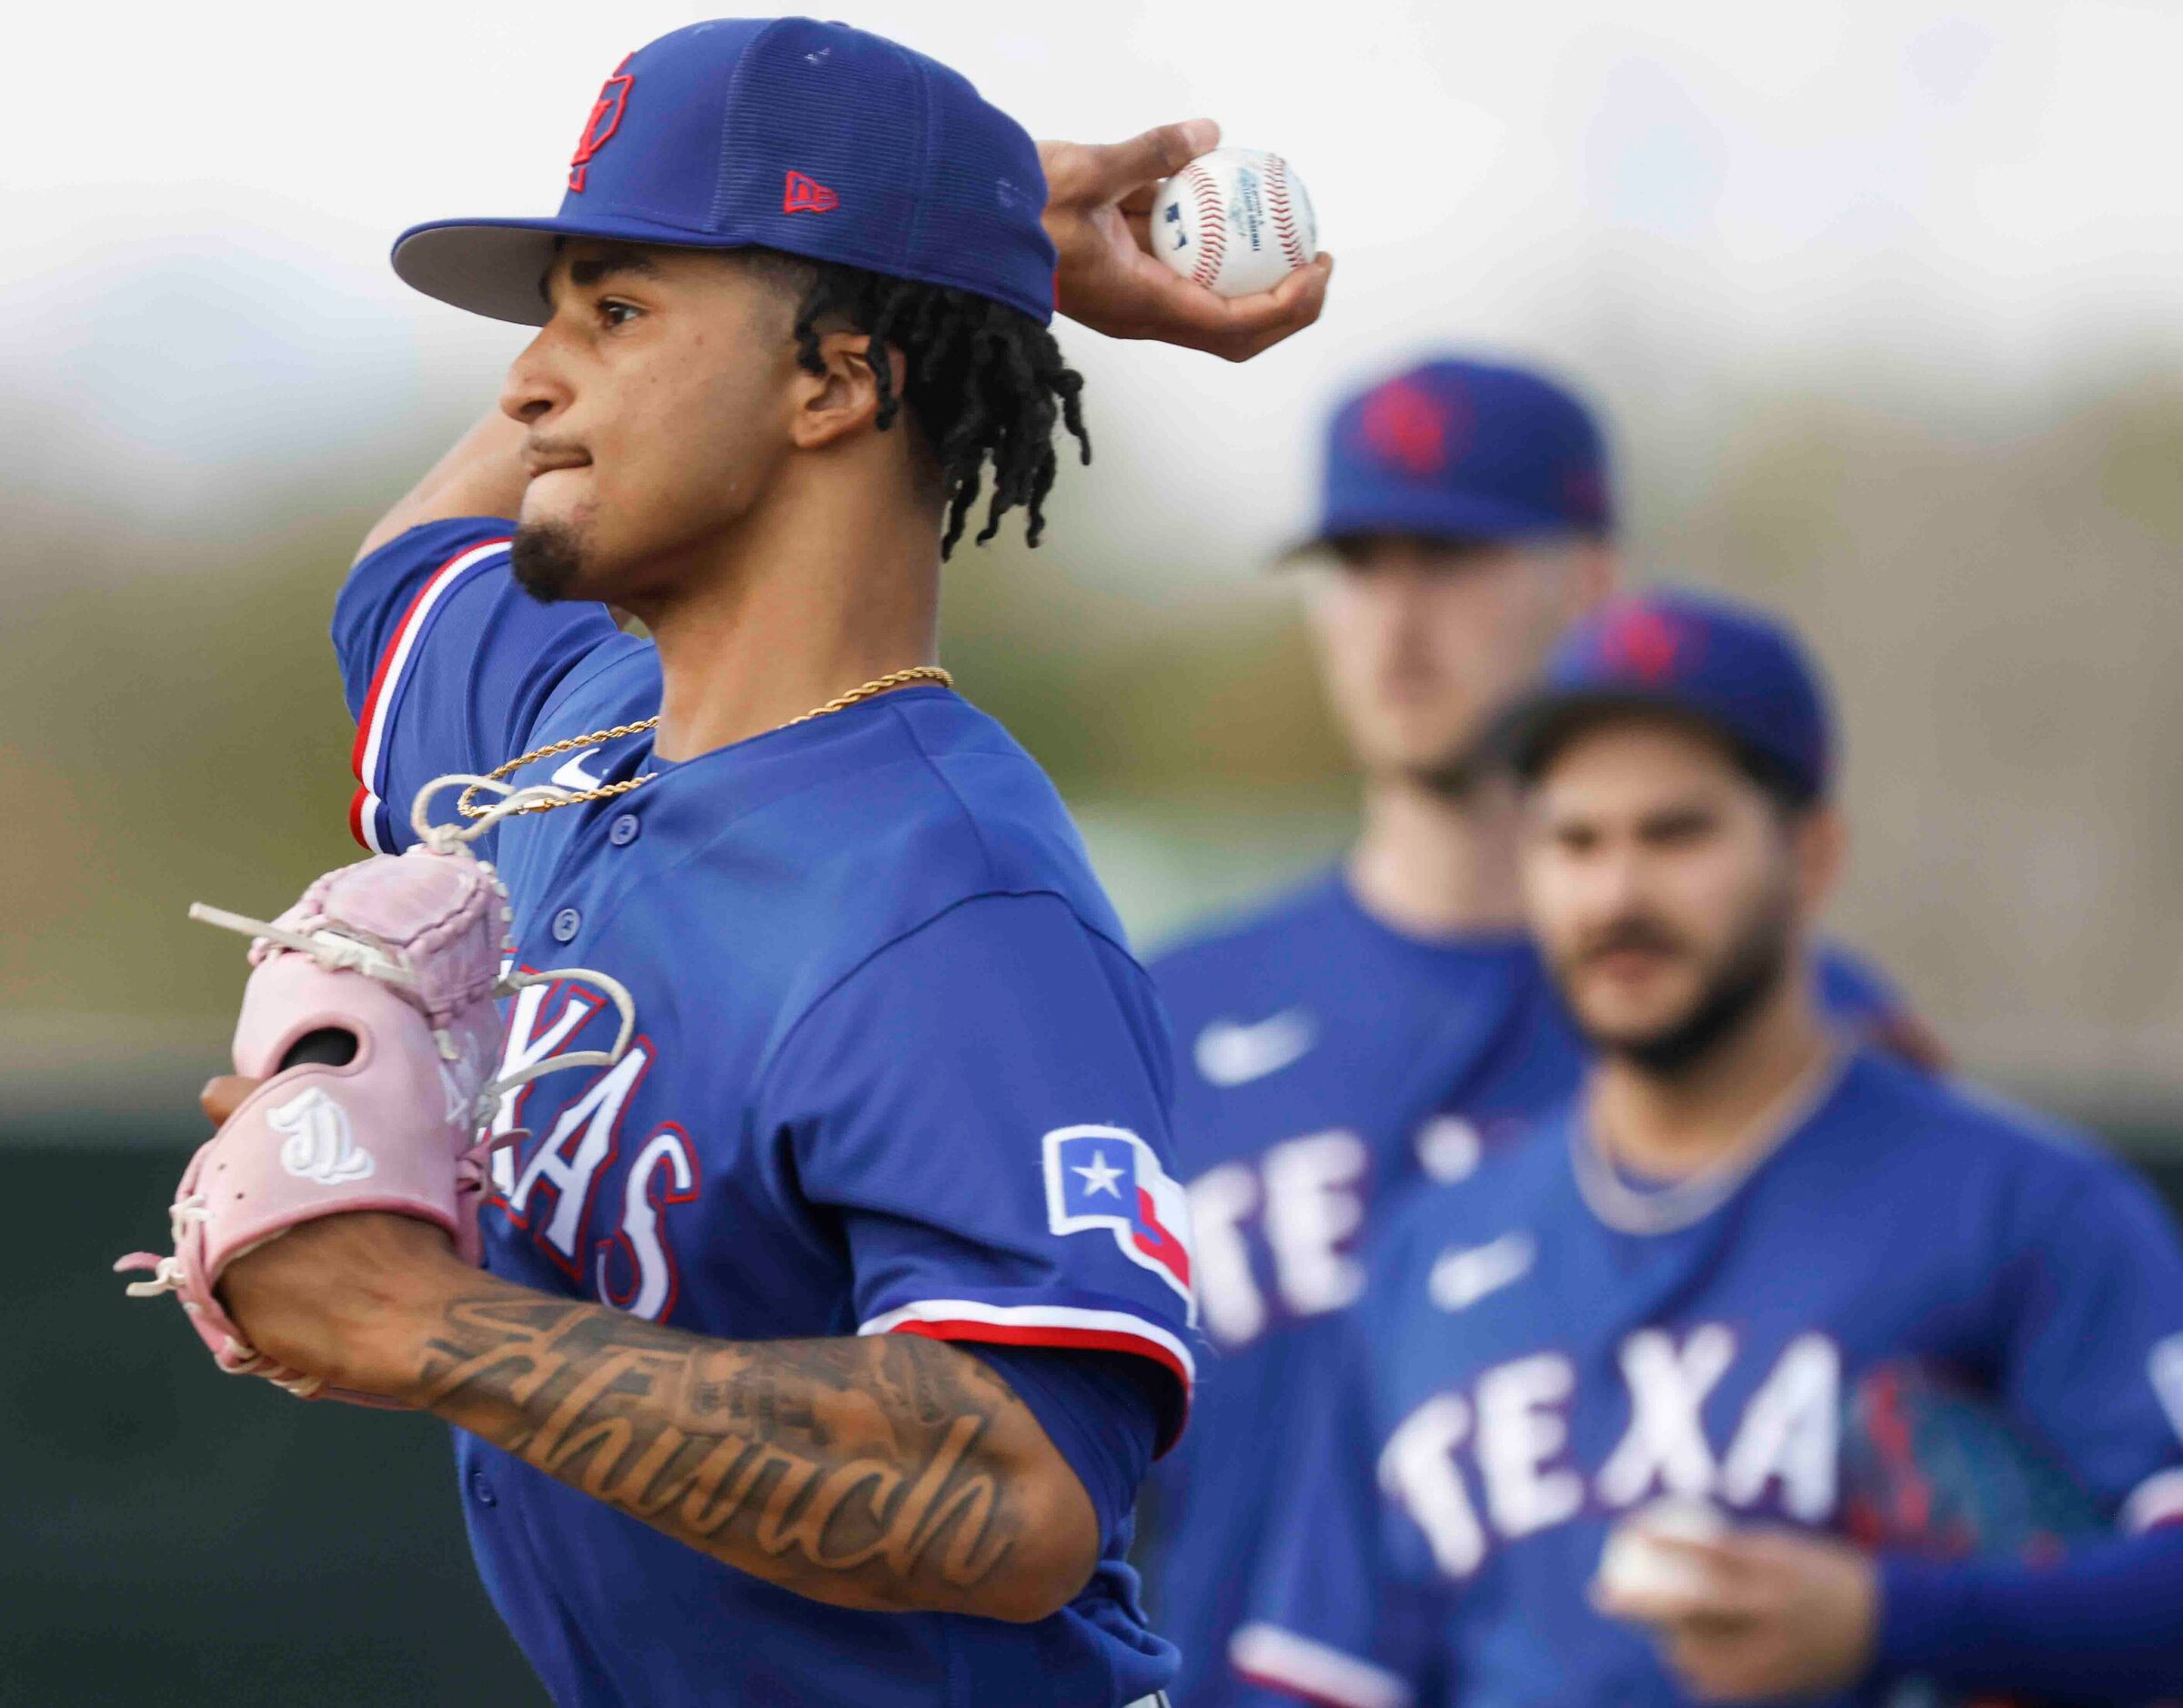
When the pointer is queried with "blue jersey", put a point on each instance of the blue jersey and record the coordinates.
(1326, 1061)
(895, 1072)
(1521, 1373)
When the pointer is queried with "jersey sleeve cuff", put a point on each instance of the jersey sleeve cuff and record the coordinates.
(1274, 1658)
(1053, 1325)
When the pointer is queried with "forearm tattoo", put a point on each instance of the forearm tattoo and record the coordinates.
(861, 1471)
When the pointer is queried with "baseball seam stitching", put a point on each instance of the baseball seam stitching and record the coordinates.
(1213, 225)
(1284, 218)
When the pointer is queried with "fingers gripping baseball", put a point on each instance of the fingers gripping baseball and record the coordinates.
(1107, 276)
(1117, 171)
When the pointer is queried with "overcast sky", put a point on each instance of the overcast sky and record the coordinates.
(199, 199)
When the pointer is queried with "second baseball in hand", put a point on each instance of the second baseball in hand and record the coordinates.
(1631, 1564)
(1236, 221)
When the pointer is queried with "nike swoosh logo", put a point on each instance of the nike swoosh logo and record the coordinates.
(1461, 1278)
(572, 775)
(1231, 1053)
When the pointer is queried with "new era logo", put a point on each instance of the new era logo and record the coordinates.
(807, 195)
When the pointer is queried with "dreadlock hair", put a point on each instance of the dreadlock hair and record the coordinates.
(983, 383)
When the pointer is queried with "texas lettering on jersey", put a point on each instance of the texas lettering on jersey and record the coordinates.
(1278, 1233)
(1305, 1198)
(1328, 1064)
(1522, 1369)
(547, 1182)
(1505, 1435)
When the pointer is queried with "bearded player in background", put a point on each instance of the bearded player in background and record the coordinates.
(828, 1330)
(1745, 1246)
(1389, 1018)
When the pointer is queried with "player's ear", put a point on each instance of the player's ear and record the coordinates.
(1597, 577)
(1822, 842)
(844, 398)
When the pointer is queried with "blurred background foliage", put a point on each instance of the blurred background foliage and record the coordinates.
(1991, 581)
(1883, 302)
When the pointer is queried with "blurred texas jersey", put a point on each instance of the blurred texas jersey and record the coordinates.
(1523, 1371)
(907, 1081)
(1325, 1062)
(1585, 1326)
(1326, 1052)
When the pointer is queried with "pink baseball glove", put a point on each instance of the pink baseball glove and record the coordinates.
(397, 961)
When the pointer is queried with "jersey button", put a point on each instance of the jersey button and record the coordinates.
(482, 1489)
(623, 830)
(567, 923)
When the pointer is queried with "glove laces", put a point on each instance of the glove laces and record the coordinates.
(236, 1356)
(342, 951)
(451, 839)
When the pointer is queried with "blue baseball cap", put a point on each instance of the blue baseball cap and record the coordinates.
(1723, 665)
(814, 138)
(1464, 450)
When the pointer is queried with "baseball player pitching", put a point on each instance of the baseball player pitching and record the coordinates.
(1588, 1437)
(836, 1289)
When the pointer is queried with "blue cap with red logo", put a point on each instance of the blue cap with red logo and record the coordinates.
(1464, 450)
(1724, 665)
(813, 138)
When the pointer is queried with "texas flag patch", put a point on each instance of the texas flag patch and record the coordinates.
(1107, 1177)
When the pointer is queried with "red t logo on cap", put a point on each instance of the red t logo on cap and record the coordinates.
(1410, 426)
(605, 120)
(1642, 643)
(807, 195)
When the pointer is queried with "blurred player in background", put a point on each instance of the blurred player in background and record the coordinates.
(1743, 1230)
(828, 1331)
(1390, 1017)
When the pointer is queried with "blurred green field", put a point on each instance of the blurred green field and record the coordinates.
(1989, 579)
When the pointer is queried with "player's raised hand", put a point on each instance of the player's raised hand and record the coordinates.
(1098, 200)
(1758, 1614)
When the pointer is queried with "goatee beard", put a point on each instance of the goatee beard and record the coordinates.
(1750, 976)
(545, 559)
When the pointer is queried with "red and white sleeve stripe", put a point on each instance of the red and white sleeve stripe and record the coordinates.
(1039, 1325)
(1277, 1659)
(367, 756)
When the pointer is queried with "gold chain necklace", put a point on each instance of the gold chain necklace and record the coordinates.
(465, 805)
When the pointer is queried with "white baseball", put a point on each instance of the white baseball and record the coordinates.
(1633, 1565)
(1236, 221)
